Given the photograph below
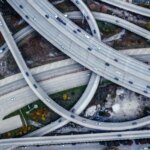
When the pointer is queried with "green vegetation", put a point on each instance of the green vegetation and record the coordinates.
(42, 114)
(146, 5)
(66, 6)
(146, 111)
(104, 114)
(72, 94)
(148, 25)
(107, 27)
(1, 77)
(106, 82)
(69, 97)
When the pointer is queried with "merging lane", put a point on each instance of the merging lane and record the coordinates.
(114, 20)
(128, 6)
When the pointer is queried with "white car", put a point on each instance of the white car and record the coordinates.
(1, 51)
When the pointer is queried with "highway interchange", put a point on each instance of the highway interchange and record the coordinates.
(22, 96)
(33, 8)
(73, 117)
(119, 73)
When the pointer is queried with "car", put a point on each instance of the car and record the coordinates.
(12, 99)
(60, 20)
(137, 141)
(1, 51)
(117, 21)
(87, 36)
(65, 15)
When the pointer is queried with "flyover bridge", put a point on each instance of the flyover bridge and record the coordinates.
(69, 115)
(43, 96)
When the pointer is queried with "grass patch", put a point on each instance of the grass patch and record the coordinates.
(65, 98)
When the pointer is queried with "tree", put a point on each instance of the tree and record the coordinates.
(148, 25)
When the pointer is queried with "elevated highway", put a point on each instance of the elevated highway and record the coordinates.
(29, 30)
(73, 117)
(138, 53)
(23, 96)
(87, 14)
(114, 20)
(128, 6)
(94, 80)
(118, 135)
(18, 37)
(85, 101)
(81, 138)
(95, 32)
(27, 75)
(124, 77)
(41, 73)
